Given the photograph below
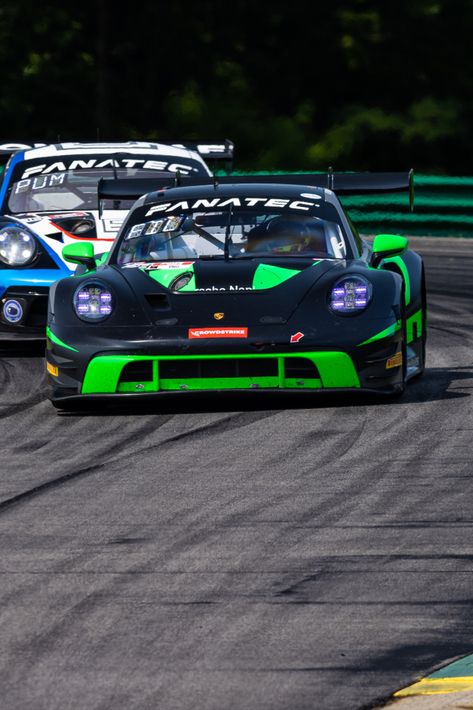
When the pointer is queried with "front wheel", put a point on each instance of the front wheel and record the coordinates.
(399, 388)
(420, 346)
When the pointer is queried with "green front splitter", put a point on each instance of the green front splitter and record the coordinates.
(335, 369)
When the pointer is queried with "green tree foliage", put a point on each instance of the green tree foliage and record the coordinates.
(358, 84)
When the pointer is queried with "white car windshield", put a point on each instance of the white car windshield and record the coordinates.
(70, 190)
(69, 182)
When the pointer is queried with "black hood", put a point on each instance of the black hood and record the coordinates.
(265, 292)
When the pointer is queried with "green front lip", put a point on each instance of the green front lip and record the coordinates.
(335, 369)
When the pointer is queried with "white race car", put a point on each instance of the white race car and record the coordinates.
(49, 198)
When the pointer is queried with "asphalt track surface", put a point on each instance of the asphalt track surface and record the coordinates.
(258, 552)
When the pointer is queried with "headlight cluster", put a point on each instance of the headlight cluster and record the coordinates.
(93, 302)
(18, 246)
(350, 295)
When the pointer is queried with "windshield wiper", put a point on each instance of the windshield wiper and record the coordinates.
(226, 248)
(209, 237)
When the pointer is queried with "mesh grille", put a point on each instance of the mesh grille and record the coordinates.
(300, 367)
(137, 372)
(172, 369)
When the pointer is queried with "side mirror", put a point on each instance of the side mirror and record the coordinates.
(80, 253)
(386, 245)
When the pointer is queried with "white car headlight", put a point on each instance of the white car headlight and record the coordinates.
(18, 246)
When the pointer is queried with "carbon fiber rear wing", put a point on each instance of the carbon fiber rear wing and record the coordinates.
(341, 183)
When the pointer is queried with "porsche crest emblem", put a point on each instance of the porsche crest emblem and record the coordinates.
(218, 316)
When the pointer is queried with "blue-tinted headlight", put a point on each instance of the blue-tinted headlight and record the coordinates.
(350, 295)
(93, 302)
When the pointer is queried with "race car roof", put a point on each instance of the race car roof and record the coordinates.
(211, 192)
(134, 147)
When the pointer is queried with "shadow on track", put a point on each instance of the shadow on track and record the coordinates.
(433, 386)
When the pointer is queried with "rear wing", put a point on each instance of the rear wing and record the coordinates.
(8, 149)
(362, 183)
(341, 183)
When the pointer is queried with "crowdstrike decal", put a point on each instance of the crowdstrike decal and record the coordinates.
(195, 333)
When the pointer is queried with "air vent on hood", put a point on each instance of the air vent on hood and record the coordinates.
(158, 301)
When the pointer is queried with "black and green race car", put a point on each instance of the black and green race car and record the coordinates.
(246, 284)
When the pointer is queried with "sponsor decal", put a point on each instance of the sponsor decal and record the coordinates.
(296, 337)
(38, 183)
(153, 265)
(232, 287)
(61, 166)
(218, 316)
(112, 225)
(232, 202)
(395, 361)
(52, 369)
(195, 333)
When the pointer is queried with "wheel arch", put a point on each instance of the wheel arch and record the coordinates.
(411, 269)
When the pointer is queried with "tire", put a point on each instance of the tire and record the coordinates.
(424, 327)
(401, 387)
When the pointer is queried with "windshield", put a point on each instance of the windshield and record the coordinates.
(53, 184)
(232, 234)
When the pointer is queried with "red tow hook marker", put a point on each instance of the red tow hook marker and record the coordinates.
(296, 337)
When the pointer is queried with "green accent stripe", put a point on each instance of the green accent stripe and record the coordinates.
(57, 341)
(390, 330)
(336, 369)
(415, 319)
(398, 260)
(268, 276)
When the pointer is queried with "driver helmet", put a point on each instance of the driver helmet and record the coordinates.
(288, 234)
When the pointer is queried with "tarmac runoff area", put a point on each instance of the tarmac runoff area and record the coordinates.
(231, 553)
(449, 688)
